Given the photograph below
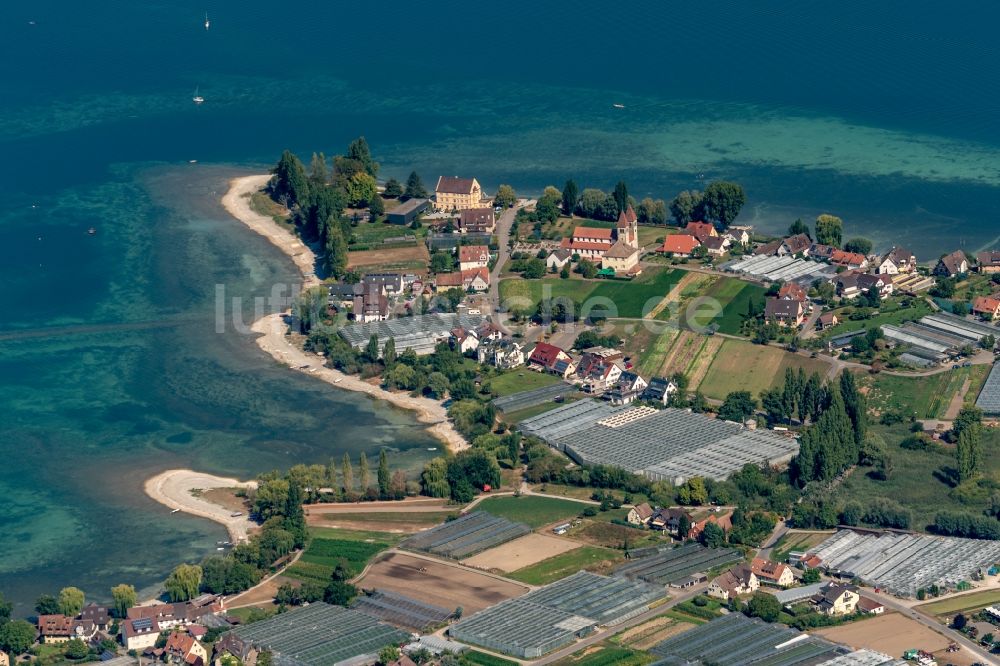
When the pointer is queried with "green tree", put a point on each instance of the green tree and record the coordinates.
(348, 474)
(765, 606)
(859, 245)
(564, 271)
(587, 268)
(318, 171)
(799, 227)
(693, 492)
(712, 536)
(434, 478)
(372, 350)
(438, 385)
(621, 195)
(384, 476)
(71, 601)
(364, 476)
(359, 151)
(829, 230)
(810, 576)
(295, 518)
(738, 407)
(361, 189)
(968, 433)
(183, 582)
(376, 207)
(289, 185)
(6, 608)
(124, 597)
(76, 649)
(46, 604)
(16, 636)
(857, 409)
(415, 187)
(723, 201)
(506, 197)
(389, 353)
(686, 206)
(393, 189)
(388, 654)
(335, 259)
(570, 196)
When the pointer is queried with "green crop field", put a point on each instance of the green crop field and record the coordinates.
(483, 659)
(531, 510)
(520, 379)
(743, 366)
(735, 296)
(922, 397)
(608, 656)
(567, 564)
(962, 603)
(329, 546)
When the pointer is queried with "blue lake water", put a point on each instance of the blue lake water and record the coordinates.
(110, 369)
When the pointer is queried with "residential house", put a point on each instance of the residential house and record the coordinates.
(792, 291)
(680, 245)
(769, 248)
(847, 286)
(869, 606)
(659, 390)
(464, 340)
(738, 234)
(477, 221)
(883, 284)
(669, 520)
(140, 633)
(826, 320)
(627, 389)
(370, 306)
(589, 242)
(701, 230)
(178, 614)
(61, 628)
(99, 615)
(342, 295)
(989, 261)
(558, 258)
(797, 244)
(476, 279)
(488, 331)
(986, 307)
(473, 256)
(731, 584)
(640, 514)
(952, 264)
(895, 261)
(716, 245)
(503, 354)
(821, 251)
(724, 521)
(837, 599)
(386, 283)
(406, 212)
(622, 258)
(785, 312)
(772, 573)
(598, 372)
(550, 358)
(454, 193)
(849, 260)
(183, 648)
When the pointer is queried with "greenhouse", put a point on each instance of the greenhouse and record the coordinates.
(674, 564)
(466, 535)
(401, 611)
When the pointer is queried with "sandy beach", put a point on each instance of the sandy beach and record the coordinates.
(173, 488)
(272, 327)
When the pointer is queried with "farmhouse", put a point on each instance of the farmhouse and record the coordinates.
(731, 584)
(785, 312)
(183, 648)
(503, 354)
(640, 514)
(464, 340)
(473, 256)
(384, 283)
(60, 628)
(989, 261)
(140, 633)
(724, 522)
(895, 261)
(669, 520)
(598, 372)
(869, 606)
(837, 600)
(880, 283)
(848, 286)
(477, 221)
(550, 358)
(986, 307)
(952, 264)
(369, 306)
(738, 234)
(421, 333)
(680, 245)
(849, 260)
(454, 193)
(797, 244)
(701, 230)
(408, 211)
(772, 573)
(821, 251)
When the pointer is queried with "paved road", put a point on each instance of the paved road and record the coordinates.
(503, 254)
(780, 529)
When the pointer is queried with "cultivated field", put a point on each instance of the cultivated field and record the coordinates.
(923, 397)
(412, 258)
(520, 553)
(401, 522)
(531, 510)
(802, 541)
(893, 634)
(588, 558)
(328, 547)
(743, 366)
(440, 584)
(962, 603)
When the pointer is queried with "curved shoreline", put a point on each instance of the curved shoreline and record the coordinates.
(173, 487)
(272, 327)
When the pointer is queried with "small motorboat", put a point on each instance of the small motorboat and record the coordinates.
(208, 23)
(618, 106)
(175, 511)
(91, 231)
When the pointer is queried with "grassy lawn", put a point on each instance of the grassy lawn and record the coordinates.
(891, 313)
(413, 517)
(609, 535)
(535, 410)
(555, 568)
(648, 235)
(923, 397)
(735, 296)
(483, 659)
(962, 604)
(796, 541)
(243, 613)
(515, 381)
(607, 655)
(920, 479)
(582, 492)
(368, 233)
(532, 511)
(744, 366)
(328, 546)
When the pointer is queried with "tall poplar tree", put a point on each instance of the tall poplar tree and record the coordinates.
(384, 478)
(348, 474)
(570, 195)
(621, 195)
(363, 473)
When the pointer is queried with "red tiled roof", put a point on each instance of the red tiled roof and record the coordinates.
(701, 230)
(572, 244)
(792, 290)
(679, 243)
(473, 253)
(986, 304)
(472, 273)
(448, 279)
(592, 232)
(546, 354)
(848, 258)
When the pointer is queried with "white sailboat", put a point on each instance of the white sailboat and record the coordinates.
(197, 99)
(208, 23)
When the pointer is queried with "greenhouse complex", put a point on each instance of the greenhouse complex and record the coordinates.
(671, 565)
(467, 535)
(401, 611)
(669, 444)
(556, 615)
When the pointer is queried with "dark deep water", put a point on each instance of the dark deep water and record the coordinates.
(110, 369)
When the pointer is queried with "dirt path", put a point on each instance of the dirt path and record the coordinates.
(432, 412)
(957, 401)
(704, 361)
(173, 488)
(673, 295)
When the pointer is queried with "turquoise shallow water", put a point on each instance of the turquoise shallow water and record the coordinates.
(110, 369)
